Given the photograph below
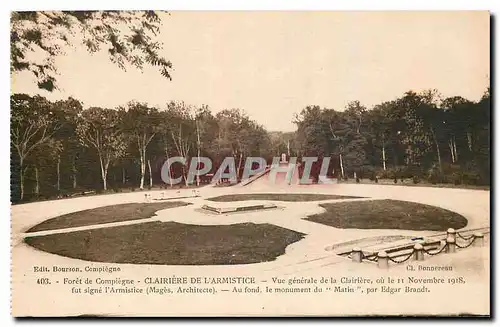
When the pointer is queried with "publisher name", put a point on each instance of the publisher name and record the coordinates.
(70, 269)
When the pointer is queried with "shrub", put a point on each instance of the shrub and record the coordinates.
(389, 173)
(456, 177)
(435, 175)
(471, 177)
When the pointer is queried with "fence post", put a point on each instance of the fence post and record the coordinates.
(478, 240)
(450, 245)
(451, 232)
(383, 260)
(357, 255)
(419, 252)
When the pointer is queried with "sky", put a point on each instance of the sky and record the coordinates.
(273, 64)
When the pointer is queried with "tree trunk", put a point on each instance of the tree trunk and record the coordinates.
(199, 146)
(104, 181)
(239, 166)
(150, 174)
(58, 173)
(184, 175)
(104, 173)
(21, 179)
(450, 144)
(439, 156)
(166, 154)
(469, 141)
(437, 149)
(455, 148)
(37, 184)
(383, 153)
(74, 175)
(341, 165)
(143, 171)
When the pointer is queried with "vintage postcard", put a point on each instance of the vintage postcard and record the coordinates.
(254, 164)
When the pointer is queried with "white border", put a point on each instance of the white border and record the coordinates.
(6, 7)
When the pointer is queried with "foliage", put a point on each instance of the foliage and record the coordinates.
(59, 148)
(415, 136)
(128, 36)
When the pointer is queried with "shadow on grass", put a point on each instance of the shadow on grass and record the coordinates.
(104, 215)
(172, 243)
(388, 214)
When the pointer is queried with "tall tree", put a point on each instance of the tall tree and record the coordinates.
(100, 129)
(140, 123)
(182, 131)
(33, 125)
(67, 113)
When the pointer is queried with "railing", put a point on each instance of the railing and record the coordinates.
(419, 250)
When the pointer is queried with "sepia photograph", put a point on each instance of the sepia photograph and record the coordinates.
(250, 163)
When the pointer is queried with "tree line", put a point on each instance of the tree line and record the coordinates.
(418, 135)
(59, 148)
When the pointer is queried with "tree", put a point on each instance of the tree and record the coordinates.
(433, 118)
(206, 132)
(346, 138)
(33, 125)
(67, 113)
(182, 131)
(239, 136)
(454, 109)
(380, 130)
(313, 131)
(140, 123)
(281, 142)
(100, 129)
(415, 136)
(355, 113)
(128, 37)
(42, 158)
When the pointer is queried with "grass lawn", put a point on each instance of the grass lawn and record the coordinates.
(291, 197)
(172, 243)
(388, 214)
(107, 214)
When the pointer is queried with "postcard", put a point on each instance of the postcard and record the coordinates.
(250, 163)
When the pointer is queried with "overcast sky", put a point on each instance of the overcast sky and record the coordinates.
(273, 64)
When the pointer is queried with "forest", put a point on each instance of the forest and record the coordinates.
(64, 148)
(61, 149)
